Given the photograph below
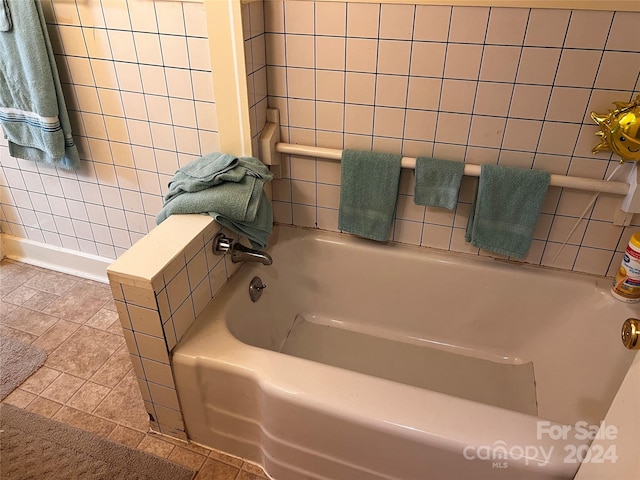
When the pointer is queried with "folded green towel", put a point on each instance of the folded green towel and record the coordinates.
(228, 188)
(32, 108)
(437, 182)
(368, 193)
(506, 209)
(213, 169)
(237, 200)
(258, 230)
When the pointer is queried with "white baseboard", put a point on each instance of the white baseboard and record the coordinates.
(55, 258)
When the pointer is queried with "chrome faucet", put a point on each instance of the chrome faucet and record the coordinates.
(239, 253)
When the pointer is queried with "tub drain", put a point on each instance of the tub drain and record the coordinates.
(255, 288)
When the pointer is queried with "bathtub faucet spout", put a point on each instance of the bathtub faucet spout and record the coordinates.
(239, 253)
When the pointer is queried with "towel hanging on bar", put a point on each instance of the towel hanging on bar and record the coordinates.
(368, 193)
(437, 182)
(506, 209)
(579, 183)
(32, 107)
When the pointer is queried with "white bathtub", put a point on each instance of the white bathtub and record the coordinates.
(403, 363)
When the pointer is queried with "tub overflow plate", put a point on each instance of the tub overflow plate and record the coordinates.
(255, 288)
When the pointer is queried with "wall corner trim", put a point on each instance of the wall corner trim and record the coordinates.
(226, 44)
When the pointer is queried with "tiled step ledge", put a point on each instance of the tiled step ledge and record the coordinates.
(160, 285)
(142, 264)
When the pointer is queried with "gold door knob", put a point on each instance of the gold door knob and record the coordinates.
(631, 333)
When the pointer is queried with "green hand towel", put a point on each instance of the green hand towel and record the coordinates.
(437, 182)
(506, 209)
(32, 107)
(368, 193)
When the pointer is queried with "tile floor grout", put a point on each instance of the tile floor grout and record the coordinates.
(87, 380)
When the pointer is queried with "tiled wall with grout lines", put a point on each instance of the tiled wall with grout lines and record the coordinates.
(513, 86)
(138, 86)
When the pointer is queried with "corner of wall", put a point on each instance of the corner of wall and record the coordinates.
(224, 26)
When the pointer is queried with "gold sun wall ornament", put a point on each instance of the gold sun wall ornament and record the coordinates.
(620, 130)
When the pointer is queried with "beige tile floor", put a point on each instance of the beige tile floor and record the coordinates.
(87, 380)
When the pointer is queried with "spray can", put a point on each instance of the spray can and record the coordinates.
(626, 285)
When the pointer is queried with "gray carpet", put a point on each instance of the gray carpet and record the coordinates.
(35, 447)
(18, 360)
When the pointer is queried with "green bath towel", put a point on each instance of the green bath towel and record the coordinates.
(437, 182)
(506, 209)
(213, 169)
(207, 171)
(368, 193)
(258, 230)
(228, 188)
(32, 107)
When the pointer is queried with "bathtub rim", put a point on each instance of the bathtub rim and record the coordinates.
(288, 232)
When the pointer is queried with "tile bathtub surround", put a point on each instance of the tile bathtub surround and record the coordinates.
(159, 286)
(103, 397)
(139, 89)
(511, 86)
